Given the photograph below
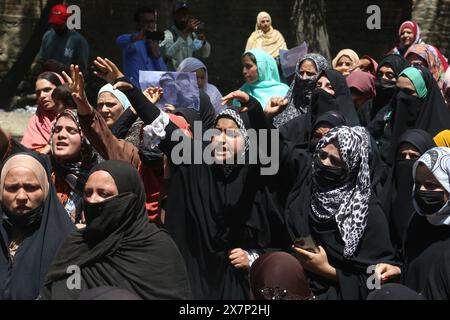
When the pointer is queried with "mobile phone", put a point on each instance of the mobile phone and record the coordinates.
(154, 35)
(201, 27)
(307, 243)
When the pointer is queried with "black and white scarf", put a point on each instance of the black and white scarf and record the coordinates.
(347, 203)
(300, 91)
(230, 113)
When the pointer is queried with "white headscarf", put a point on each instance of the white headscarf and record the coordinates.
(437, 161)
(116, 93)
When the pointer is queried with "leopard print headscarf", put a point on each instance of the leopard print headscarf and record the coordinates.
(347, 203)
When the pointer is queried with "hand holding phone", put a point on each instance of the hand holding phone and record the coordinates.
(307, 243)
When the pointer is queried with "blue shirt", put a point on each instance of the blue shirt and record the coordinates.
(135, 57)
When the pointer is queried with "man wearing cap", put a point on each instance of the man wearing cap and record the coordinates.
(61, 44)
(184, 39)
(138, 51)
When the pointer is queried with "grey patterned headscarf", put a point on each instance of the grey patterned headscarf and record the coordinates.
(348, 204)
(300, 97)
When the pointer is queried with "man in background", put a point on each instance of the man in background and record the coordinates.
(185, 38)
(61, 44)
(140, 50)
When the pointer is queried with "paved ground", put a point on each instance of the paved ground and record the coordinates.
(14, 122)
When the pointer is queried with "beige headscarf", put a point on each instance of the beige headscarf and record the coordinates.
(352, 55)
(271, 42)
(28, 162)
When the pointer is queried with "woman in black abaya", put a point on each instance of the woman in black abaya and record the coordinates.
(119, 246)
(417, 105)
(396, 197)
(331, 94)
(217, 213)
(333, 201)
(428, 234)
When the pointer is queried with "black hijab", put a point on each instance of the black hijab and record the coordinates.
(397, 193)
(385, 89)
(341, 101)
(332, 118)
(300, 129)
(119, 247)
(211, 210)
(24, 278)
(430, 113)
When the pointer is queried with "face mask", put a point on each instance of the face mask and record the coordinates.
(429, 202)
(103, 218)
(385, 88)
(29, 219)
(408, 108)
(327, 176)
(403, 172)
(322, 101)
(307, 83)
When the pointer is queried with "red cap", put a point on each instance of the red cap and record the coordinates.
(58, 14)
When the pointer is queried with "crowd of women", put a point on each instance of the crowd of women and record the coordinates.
(359, 208)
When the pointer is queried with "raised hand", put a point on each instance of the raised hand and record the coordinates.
(153, 94)
(275, 106)
(76, 86)
(108, 70)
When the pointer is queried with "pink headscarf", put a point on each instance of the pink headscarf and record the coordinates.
(446, 83)
(373, 65)
(363, 82)
(38, 132)
(414, 28)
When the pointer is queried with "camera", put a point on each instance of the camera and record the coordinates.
(154, 35)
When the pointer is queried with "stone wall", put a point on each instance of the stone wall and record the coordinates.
(433, 17)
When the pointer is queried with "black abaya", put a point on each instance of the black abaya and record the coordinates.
(120, 247)
(210, 212)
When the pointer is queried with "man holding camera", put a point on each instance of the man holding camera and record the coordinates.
(141, 49)
(185, 38)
